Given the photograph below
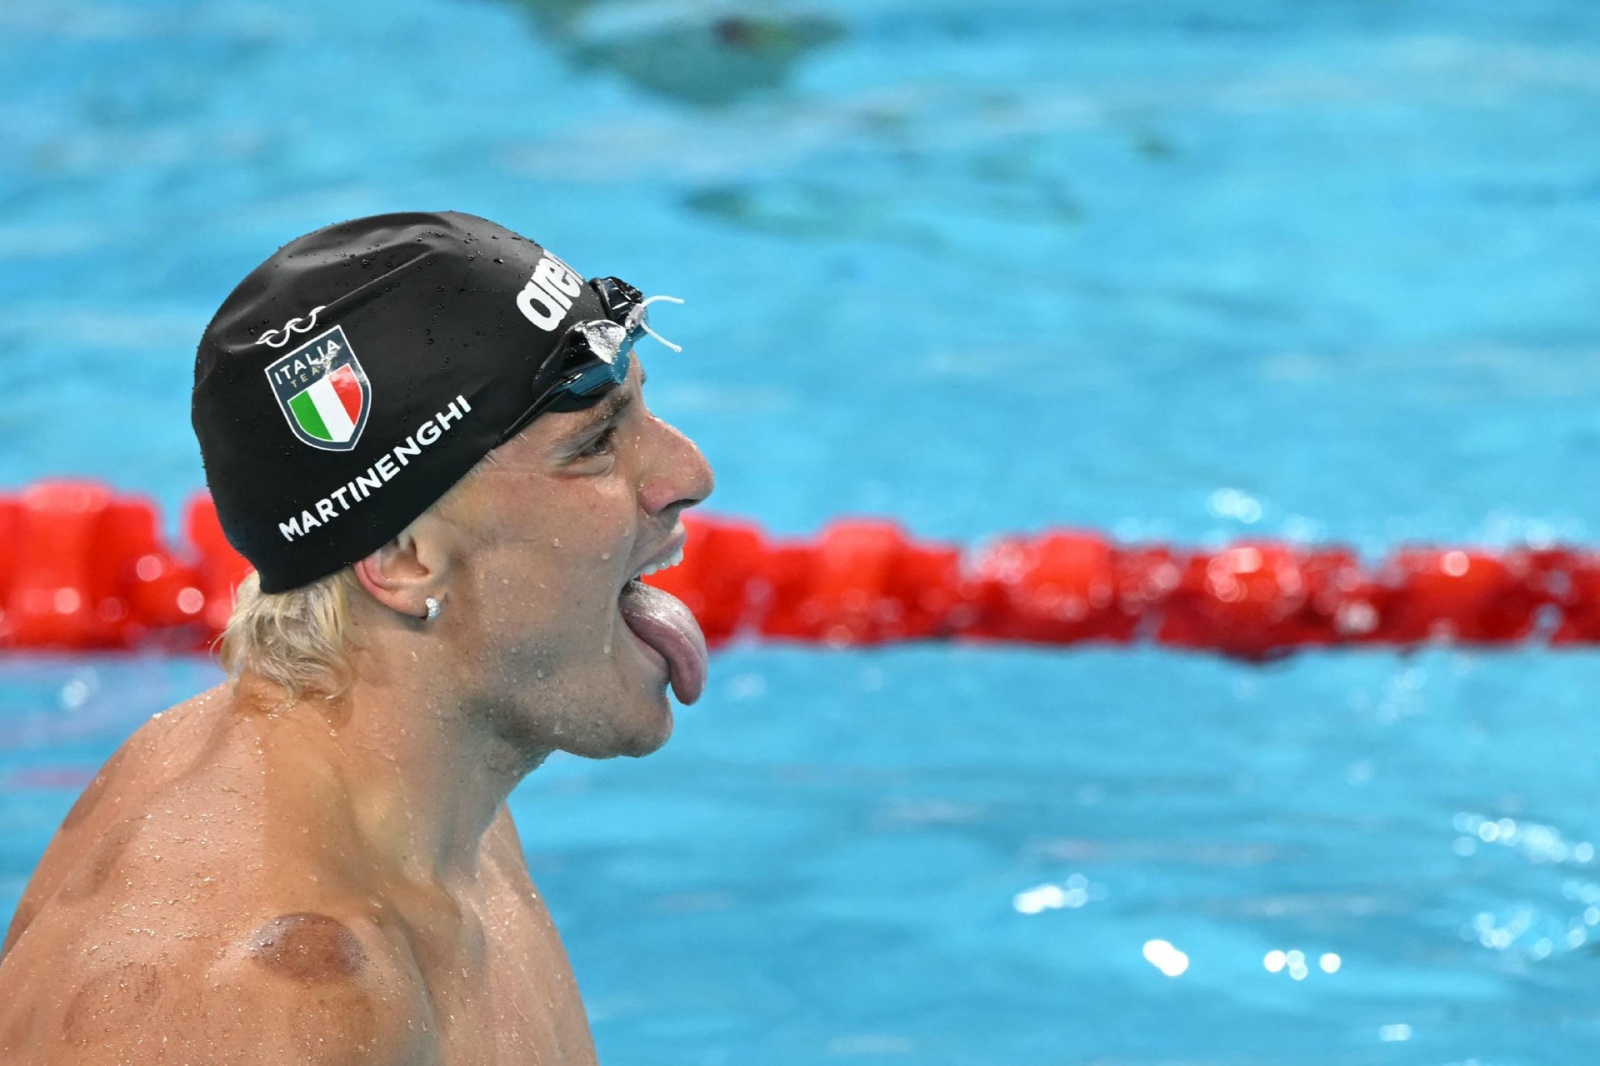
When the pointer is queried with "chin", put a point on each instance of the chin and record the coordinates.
(654, 731)
(633, 727)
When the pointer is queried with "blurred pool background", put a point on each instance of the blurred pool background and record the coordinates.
(1184, 271)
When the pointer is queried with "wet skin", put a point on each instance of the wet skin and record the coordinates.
(258, 879)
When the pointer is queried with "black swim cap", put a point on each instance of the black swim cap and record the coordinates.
(356, 375)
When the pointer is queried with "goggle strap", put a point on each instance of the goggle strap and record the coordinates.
(636, 317)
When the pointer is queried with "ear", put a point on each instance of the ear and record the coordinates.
(403, 573)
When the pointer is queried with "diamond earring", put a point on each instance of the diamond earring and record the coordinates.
(433, 608)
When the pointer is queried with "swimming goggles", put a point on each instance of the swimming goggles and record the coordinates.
(594, 357)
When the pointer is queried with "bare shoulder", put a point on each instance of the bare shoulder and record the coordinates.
(318, 980)
(166, 746)
(182, 916)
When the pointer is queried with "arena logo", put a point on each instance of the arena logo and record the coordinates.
(548, 296)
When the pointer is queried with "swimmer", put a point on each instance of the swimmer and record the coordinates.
(428, 436)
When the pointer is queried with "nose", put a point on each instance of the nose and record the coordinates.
(676, 474)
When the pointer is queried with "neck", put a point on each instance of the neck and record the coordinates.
(423, 772)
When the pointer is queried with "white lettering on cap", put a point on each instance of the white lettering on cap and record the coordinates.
(537, 307)
(547, 297)
(378, 474)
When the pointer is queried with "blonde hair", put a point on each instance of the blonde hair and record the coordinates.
(297, 639)
(301, 639)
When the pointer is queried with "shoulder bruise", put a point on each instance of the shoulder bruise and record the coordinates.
(111, 1003)
(308, 948)
(95, 870)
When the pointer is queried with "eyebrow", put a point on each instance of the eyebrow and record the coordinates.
(608, 410)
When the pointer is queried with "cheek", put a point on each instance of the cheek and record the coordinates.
(558, 568)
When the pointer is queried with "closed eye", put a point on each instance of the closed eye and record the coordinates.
(610, 413)
(601, 445)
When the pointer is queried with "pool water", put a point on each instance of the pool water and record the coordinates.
(1176, 271)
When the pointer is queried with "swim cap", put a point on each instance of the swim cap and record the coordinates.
(362, 370)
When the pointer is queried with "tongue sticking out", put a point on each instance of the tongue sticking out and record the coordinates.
(663, 622)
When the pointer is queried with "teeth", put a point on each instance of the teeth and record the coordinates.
(672, 560)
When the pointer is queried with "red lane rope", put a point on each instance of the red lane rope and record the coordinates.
(84, 567)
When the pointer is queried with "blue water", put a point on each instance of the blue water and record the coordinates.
(1181, 271)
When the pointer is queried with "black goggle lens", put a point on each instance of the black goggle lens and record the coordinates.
(620, 298)
(595, 355)
(602, 355)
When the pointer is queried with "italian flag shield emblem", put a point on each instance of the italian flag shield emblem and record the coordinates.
(324, 393)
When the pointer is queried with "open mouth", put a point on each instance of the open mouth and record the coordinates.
(671, 560)
(663, 623)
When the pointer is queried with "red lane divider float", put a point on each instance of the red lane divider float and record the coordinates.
(85, 567)
(867, 582)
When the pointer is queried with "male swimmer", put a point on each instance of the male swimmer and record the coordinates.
(428, 435)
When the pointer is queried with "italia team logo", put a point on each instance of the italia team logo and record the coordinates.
(323, 391)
